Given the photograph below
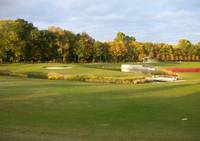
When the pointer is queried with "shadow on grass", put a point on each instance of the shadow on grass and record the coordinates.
(153, 92)
(103, 92)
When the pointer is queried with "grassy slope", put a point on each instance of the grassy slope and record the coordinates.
(33, 109)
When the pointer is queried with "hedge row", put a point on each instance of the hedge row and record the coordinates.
(87, 78)
(25, 75)
(178, 58)
(98, 79)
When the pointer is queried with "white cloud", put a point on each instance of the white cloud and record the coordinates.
(158, 20)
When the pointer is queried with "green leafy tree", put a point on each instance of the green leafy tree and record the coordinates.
(65, 42)
(138, 51)
(120, 48)
(84, 48)
(148, 49)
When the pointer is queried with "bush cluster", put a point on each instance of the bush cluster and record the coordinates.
(97, 79)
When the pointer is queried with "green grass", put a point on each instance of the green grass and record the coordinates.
(77, 69)
(179, 64)
(102, 73)
(45, 110)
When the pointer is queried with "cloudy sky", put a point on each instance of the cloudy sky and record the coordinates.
(147, 20)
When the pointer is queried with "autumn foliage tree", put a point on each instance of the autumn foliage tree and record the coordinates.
(21, 41)
(84, 48)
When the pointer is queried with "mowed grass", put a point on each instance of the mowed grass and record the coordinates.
(46, 110)
(104, 69)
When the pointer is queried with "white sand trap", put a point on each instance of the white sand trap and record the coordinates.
(58, 68)
(184, 119)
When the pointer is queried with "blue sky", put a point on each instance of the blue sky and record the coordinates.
(147, 20)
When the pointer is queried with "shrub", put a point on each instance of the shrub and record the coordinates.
(164, 72)
(55, 76)
(37, 75)
(97, 79)
(5, 72)
(9, 73)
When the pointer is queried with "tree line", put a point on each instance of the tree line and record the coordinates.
(21, 41)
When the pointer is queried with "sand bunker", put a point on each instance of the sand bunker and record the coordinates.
(58, 68)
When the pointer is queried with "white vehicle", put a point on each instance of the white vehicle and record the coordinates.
(161, 78)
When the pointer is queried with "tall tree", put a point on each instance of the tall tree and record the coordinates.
(15, 37)
(64, 41)
(84, 48)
